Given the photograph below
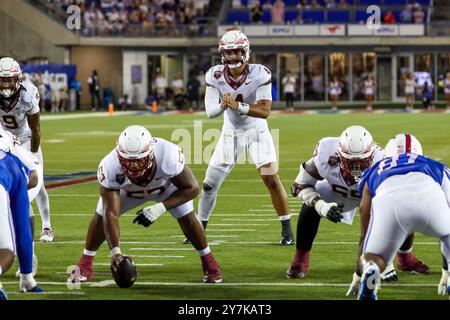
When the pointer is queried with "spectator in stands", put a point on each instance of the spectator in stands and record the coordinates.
(236, 4)
(447, 89)
(193, 87)
(369, 86)
(267, 5)
(277, 12)
(257, 12)
(63, 95)
(415, 5)
(343, 4)
(177, 84)
(406, 15)
(315, 4)
(419, 16)
(94, 90)
(330, 4)
(389, 17)
(54, 91)
(289, 82)
(124, 103)
(303, 4)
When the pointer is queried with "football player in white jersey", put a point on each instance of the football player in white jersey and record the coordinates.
(19, 114)
(243, 93)
(141, 169)
(328, 187)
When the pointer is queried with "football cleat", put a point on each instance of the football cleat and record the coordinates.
(36, 289)
(186, 241)
(84, 271)
(3, 295)
(369, 283)
(296, 272)
(287, 240)
(389, 274)
(409, 263)
(212, 276)
(47, 235)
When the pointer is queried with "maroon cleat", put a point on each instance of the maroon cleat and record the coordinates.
(295, 272)
(85, 270)
(211, 269)
(409, 263)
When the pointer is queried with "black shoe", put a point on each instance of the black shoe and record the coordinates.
(186, 241)
(287, 240)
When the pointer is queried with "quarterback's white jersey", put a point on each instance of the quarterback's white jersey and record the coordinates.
(13, 114)
(243, 89)
(334, 188)
(169, 162)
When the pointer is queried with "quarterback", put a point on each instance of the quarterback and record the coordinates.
(242, 92)
(19, 114)
(327, 185)
(141, 169)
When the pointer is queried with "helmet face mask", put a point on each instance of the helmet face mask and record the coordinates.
(135, 152)
(10, 77)
(229, 44)
(356, 150)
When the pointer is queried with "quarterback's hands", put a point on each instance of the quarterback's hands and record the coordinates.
(330, 210)
(230, 102)
(354, 286)
(148, 215)
(389, 274)
(443, 283)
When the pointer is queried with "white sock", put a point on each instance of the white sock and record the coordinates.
(204, 252)
(284, 217)
(44, 207)
(405, 251)
(89, 253)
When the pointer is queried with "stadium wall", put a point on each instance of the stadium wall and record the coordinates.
(108, 63)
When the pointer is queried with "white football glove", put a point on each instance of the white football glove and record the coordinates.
(149, 214)
(444, 283)
(27, 282)
(354, 286)
(330, 210)
(389, 274)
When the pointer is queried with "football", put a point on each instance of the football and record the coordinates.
(126, 273)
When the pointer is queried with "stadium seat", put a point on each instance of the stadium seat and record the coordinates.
(292, 3)
(244, 3)
(337, 16)
(313, 16)
(290, 15)
(238, 16)
(361, 16)
(266, 18)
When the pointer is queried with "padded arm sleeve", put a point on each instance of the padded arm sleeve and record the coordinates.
(306, 182)
(212, 102)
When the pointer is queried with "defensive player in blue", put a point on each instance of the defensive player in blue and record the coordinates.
(401, 194)
(15, 227)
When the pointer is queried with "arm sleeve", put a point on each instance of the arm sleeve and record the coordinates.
(264, 92)
(28, 160)
(174, 161)
(212, 102)
(446, 184)
(33, 101)
(20, 207)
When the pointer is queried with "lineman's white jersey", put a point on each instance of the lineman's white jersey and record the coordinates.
(28, 159)
(334, 188)
(169, 162)
(243, 90)
(14, 117)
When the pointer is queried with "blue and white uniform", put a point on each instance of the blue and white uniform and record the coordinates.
(15, 227)
(410, 193)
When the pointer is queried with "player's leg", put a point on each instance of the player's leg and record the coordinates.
(35, 260)
(193, 230)
(407, 261)
(307, 227)
(444, 285)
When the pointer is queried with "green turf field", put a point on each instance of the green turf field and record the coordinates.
(243, 230)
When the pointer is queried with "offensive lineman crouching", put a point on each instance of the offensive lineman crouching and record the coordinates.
(140, 169)
(327, 184)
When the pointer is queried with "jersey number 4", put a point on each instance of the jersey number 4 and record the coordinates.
(10, 122)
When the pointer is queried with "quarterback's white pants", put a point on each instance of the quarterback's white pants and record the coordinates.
(7, 236)
(256, 143)
(128, 203)
(405, 204)
(350, 202)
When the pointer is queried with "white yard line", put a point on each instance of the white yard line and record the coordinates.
(137, 264)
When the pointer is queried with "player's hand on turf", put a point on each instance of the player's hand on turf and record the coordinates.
(443, 283)
(389, 274)
(354, 286)
(330, 210)
(115, 261)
